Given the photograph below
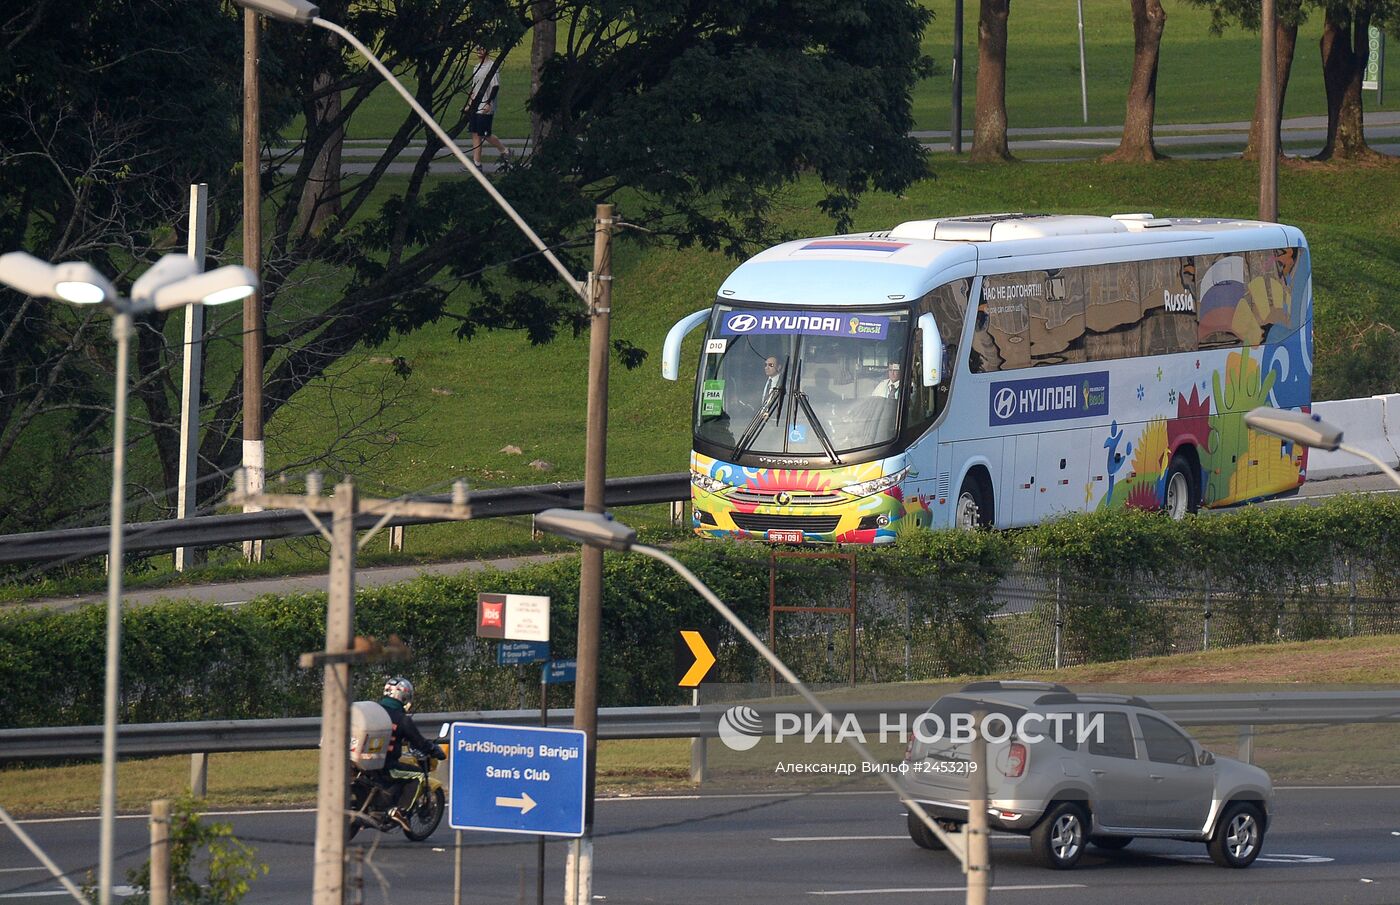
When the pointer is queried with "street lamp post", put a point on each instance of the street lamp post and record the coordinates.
(602, 531)
(1310, 430)
(172, 282)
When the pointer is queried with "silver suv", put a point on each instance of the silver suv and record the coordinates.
(1116, 770)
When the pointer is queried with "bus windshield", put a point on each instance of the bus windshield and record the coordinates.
(802, 382)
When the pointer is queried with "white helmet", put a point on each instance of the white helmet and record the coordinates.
(401, 690)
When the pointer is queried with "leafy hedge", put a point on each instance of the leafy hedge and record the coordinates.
(1123, 584)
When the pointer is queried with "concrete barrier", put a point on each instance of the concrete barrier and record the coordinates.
(1364, 424)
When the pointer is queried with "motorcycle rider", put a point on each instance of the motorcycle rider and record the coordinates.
(395, 777)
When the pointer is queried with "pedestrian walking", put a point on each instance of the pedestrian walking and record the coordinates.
(481, 107)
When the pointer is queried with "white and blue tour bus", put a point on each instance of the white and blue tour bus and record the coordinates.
(996, 370)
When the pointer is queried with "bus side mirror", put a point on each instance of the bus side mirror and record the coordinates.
(932, 350)
(671, 351)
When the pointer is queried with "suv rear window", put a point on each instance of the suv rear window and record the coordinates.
(946, 706)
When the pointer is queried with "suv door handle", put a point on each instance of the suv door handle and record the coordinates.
(1097, 772)
(1155, 777)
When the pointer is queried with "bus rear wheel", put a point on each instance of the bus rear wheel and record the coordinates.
(1180, 495)
(974, 504)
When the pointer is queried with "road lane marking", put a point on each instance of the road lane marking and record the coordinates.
(15, 870)
(896, 889)
(121, 891)
(834, 838)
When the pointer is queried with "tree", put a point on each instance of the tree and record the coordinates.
(1343, 45)
(1136, 145)
(989, 119)
(1288, 16)
(699, 114)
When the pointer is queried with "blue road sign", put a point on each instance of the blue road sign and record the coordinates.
(517, 779)
(513, 653)
(560, 672)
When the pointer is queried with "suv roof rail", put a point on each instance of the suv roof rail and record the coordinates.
(1072, 698)
(1016, 685)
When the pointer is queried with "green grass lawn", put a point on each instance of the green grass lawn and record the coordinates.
(1201, 78)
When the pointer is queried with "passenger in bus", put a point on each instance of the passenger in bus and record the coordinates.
(889, 387)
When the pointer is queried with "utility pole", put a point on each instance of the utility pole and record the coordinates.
(979, 860)
(578, 874)
(957, 76)
(253, 452)
(160, 852)
(1268, 136)
(342, 647)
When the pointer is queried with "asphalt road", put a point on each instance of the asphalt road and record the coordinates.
(1328, 845)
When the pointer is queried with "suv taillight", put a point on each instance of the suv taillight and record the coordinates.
(1015, 761)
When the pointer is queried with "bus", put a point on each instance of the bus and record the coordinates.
(995, 371)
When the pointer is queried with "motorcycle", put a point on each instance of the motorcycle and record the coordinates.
(370, 802)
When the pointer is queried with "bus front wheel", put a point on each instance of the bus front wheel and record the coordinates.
(974, 506)
(1180, 495)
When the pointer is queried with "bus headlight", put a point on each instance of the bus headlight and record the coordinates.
(707, 483)
(877, 485)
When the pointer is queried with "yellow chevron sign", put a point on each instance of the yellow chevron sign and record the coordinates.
(694, 657)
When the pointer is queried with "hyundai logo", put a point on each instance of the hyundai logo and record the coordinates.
(1005, 403)
(742, 323)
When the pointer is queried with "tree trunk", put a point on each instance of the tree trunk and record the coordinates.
(542, 47)
(1341, 75)
(989, 120)
(1149, 21)
(320, 199)
(1285, 42)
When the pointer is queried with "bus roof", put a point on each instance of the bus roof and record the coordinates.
(907, 261)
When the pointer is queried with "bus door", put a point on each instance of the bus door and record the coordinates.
(1061, 471)
(1024, 488)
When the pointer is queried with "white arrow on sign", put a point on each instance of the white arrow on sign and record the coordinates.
(525, 803)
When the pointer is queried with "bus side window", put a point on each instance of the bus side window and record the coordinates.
(1057, 320)
(1112, 312)
(1002, 338)
(949, 307)
(1169, 304)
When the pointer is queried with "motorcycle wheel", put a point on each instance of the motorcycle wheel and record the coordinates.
(424, 819)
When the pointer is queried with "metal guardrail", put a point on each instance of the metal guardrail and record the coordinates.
(211, 530)
(1268, 708)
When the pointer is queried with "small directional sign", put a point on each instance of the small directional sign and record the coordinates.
(560, 672)
(695, 656)
(517, 779)
(515, 653)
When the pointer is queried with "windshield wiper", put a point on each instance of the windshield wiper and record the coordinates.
(774, 402)
(799, 398)
(817, 426)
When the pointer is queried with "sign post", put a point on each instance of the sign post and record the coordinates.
(1373, 76)
(517, 779)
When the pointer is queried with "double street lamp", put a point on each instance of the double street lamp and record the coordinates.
(173, 282)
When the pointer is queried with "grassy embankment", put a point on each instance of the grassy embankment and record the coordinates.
(469, 400)
(1293, 755)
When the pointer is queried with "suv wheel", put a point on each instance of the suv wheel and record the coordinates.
(923, 836)
(1110, 843)
(1239, 835)
(1058, 840)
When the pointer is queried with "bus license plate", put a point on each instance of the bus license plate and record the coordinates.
(784, 536)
